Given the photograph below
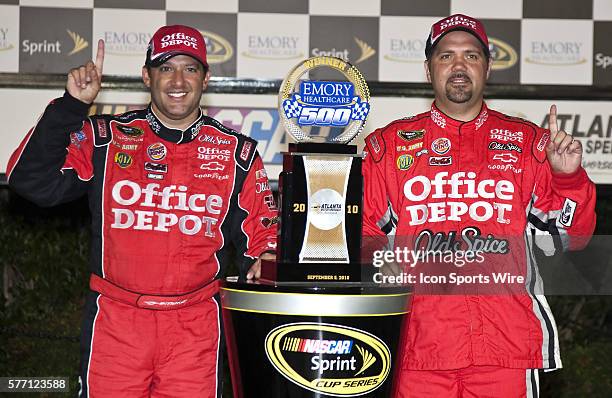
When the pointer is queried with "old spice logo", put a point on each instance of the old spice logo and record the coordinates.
(451, 191)
(211, 139)
(508, 146)
(154, 208)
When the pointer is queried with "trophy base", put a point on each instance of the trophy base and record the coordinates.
(311, 272)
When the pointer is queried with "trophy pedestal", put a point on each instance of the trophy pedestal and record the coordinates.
(316, 325)
(292, 333)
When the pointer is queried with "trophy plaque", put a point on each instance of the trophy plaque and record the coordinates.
(320, 187)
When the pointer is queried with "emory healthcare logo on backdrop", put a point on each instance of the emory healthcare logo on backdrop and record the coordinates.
(402, 48)
(127, 34)
(127, 43)
(270, 44)
(550, 55)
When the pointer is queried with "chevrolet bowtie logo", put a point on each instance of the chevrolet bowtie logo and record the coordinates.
(79, 43)
(366, 50)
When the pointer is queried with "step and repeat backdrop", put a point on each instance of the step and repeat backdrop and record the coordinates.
(533, 41)
(551, 42)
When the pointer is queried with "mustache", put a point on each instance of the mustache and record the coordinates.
(459, 75)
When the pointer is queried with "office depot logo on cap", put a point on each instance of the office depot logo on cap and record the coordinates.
(452, 23)
(173, 40)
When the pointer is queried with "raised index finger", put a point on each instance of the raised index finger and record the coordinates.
(552, 121)
(100, 57)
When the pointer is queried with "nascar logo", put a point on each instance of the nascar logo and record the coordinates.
(318, 346)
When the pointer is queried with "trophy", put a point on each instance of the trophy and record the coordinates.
(320, 187)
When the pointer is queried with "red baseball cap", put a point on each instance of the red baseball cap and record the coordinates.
(456, 22)
(173, 40)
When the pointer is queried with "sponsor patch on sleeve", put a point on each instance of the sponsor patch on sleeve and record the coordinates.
(375, 146)
(539, 145)
(567, 213)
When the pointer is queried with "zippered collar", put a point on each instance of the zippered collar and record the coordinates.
(444, 121)
(174, 135)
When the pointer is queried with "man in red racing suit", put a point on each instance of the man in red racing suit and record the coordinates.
(166, 206)
(434, 178)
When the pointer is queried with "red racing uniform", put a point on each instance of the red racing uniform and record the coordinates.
(430, 176)
(166, 206)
